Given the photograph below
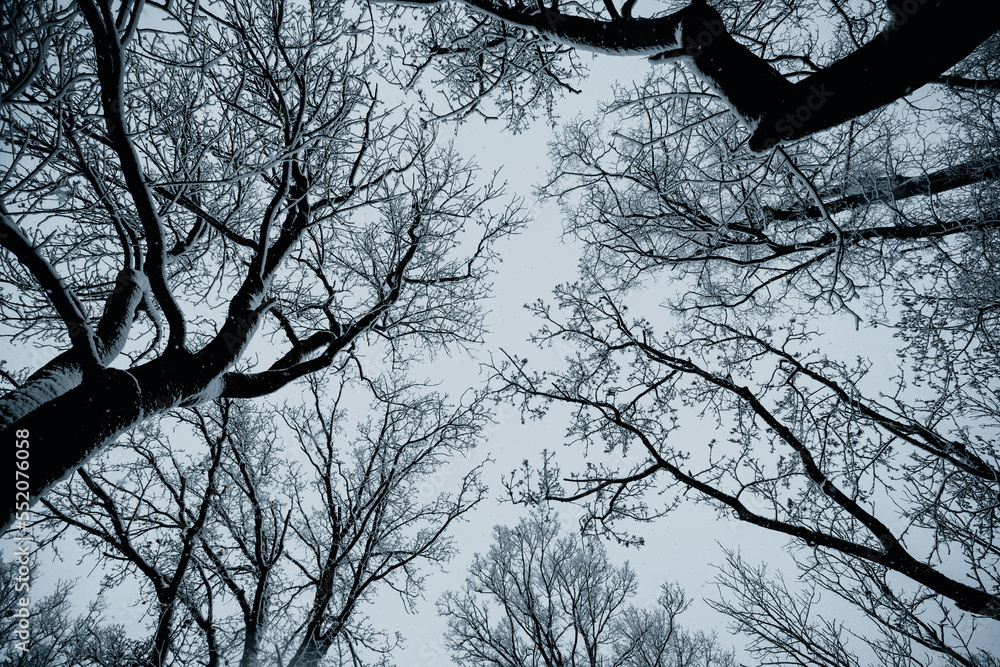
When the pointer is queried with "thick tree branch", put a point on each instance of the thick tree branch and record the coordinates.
(110, 70)
(65, 371)
(72, 312)
(955, 81)
(896, 188)
(916, 49)
(913, 51)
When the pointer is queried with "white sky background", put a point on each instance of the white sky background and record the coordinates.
(681, 547)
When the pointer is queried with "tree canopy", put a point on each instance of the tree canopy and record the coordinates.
(187, 179)
(764, 59)
(227, 225)
(539, 597)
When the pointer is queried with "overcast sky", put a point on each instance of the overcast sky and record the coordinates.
(682, 547)
(679, 548)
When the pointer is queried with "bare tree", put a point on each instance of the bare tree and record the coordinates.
(896, 478)
(822, 226)
(787, 626)
(816, 450)
(542, 598)
(252, 555)
(783, 84)
(867, 486)
(56, 635)
(883, 476)
(185, 179)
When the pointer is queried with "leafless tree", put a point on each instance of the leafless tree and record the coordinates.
(764, 58)
(664, 176)
(249, 554)
(186, 179)
(667, 198)
(58, 636)
(858, 212)
(816, 450)
(902, 483)
(544, 598)
(788, 626)
(824, 226)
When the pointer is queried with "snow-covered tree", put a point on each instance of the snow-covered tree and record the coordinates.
(787, 70)
(542, 596)
(185, 180)
(253, 541)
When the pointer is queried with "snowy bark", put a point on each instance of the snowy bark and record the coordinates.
(66, 371)
(66, 430)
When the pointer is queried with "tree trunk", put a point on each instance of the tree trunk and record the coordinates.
(64, 433)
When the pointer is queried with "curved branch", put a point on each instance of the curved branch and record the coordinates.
(66, 303)
(110, 71)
